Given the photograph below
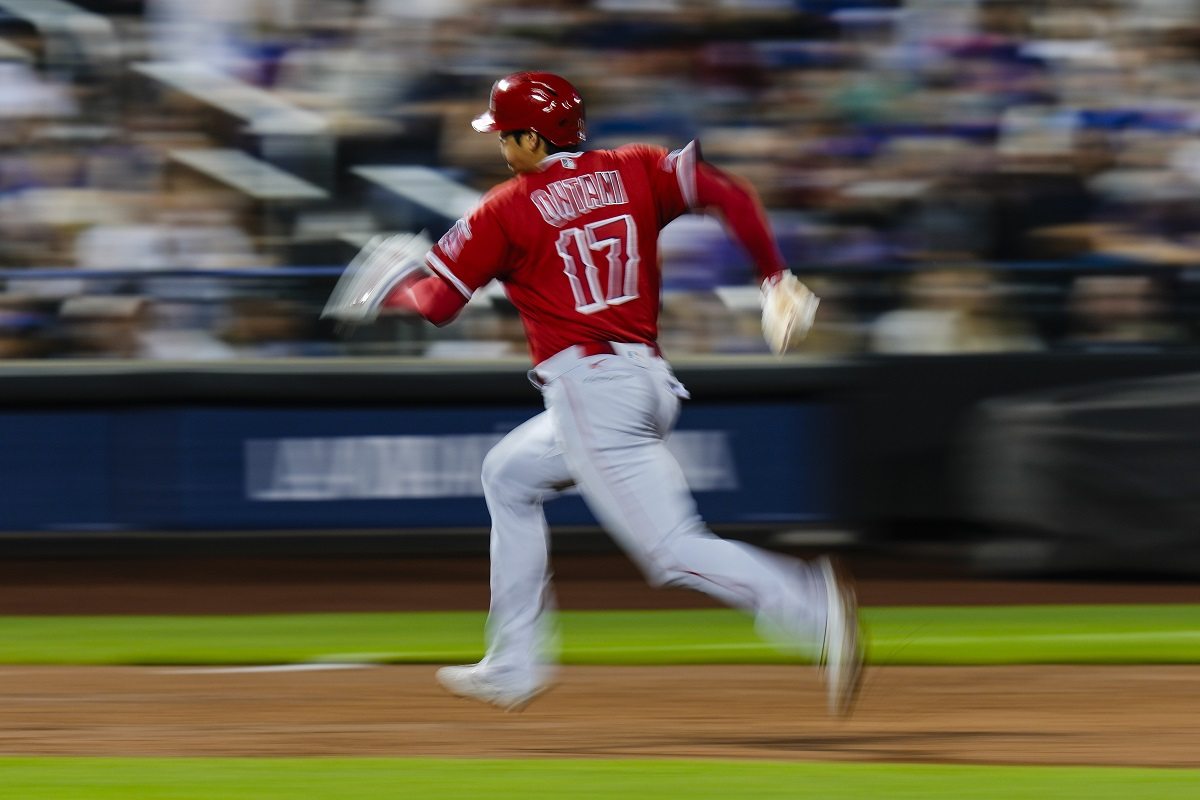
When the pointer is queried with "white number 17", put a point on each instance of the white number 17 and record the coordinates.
(598, 283)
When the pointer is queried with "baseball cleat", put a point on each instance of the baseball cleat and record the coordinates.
(473, 683)
(842, 651)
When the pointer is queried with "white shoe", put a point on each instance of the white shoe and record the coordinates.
(472, 682)
(842, 651)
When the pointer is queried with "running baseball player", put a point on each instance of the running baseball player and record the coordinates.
(573, 237)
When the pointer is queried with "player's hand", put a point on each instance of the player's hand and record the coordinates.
(788, 310)
(382, 264)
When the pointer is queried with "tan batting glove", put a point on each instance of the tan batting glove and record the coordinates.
(382, 264)
(788, 310)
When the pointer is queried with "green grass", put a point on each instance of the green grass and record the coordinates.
(1024, 634)
(918, 635)
(455, 779)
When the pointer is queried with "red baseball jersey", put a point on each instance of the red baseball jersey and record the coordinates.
(575, 244)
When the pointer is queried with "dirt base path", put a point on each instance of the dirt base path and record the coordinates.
(1008, 715)
(1011, 715)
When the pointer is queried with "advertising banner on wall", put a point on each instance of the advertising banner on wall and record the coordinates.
(375, 468)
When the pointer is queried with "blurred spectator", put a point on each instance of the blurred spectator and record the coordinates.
(104, 327)
(207, 33)
(179, 230)
(30, 95)
(268, 327)
(881, 135)
(25, 328)
(698, 322)
(950, 310)
(839, 329)
(1124, 312)
(187, 229)
(480, 334)
(697, 255)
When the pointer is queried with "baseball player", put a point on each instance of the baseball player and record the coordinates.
(573, 238)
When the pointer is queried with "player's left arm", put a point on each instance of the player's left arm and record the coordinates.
(743, 215)
(789, 307)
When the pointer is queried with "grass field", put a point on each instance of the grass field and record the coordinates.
(920, 635)
(1095, 634)
(459, 779)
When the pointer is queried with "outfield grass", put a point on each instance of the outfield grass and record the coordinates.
(459, 779)
(1092, 634)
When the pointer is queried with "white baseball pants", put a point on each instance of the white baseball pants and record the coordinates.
(604, 427)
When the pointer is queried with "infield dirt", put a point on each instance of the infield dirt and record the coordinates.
(1003, 715)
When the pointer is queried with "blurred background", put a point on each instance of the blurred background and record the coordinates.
(996, 200)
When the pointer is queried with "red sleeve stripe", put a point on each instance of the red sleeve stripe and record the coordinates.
(441, 269)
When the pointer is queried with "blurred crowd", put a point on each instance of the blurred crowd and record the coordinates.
(181, 180)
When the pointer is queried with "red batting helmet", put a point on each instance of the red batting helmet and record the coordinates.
(535, 101)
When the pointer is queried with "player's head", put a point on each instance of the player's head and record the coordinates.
(541, 102)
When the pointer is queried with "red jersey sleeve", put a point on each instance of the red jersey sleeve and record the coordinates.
(743, 215)
(684, 182)
(430, 296)
(473, 252)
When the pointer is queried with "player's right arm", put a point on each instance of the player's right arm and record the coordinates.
(466, 258)
(429, 296)
(745, 219)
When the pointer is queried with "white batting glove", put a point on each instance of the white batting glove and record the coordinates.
(788, 310)
(382, 263)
